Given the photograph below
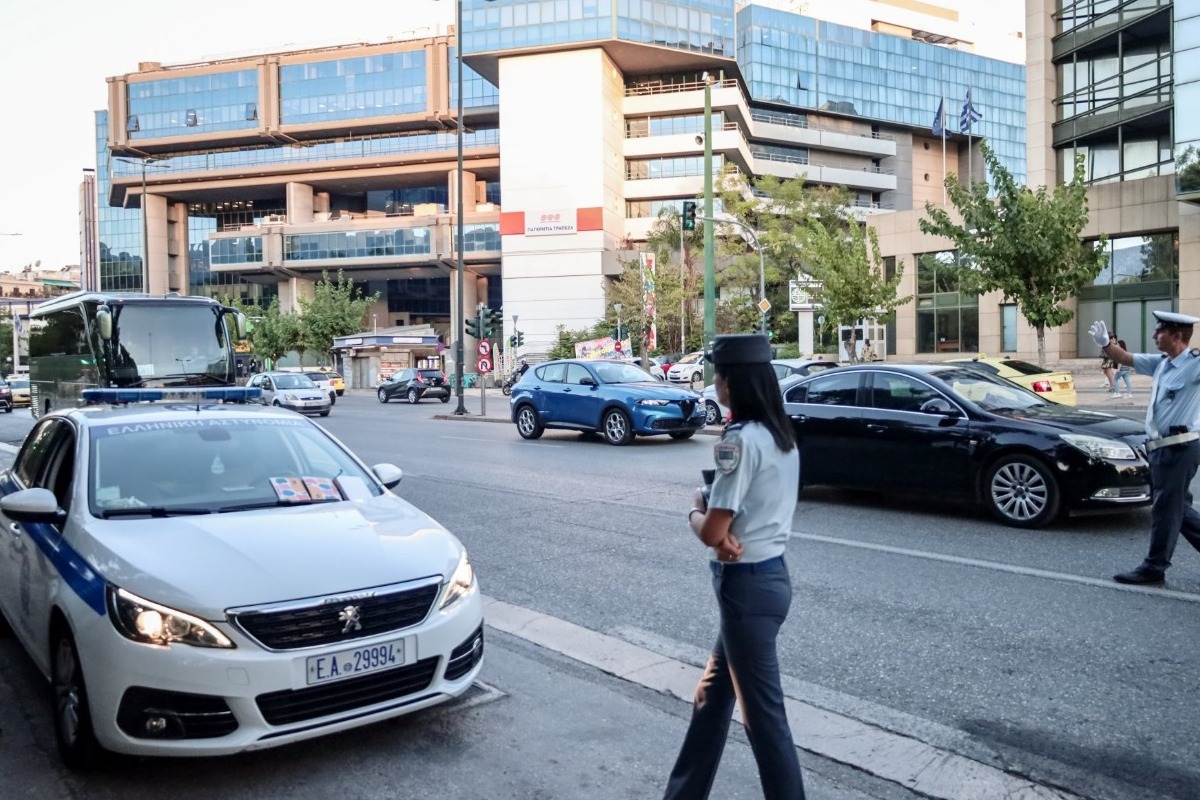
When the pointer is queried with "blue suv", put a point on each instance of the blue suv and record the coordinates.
(613, 398)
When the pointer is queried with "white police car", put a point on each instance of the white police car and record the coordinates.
(201, 578)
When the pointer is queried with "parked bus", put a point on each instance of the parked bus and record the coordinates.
(88, 340)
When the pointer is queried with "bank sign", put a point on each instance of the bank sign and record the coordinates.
(553, 222)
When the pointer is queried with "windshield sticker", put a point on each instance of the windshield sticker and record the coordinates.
(321, 489)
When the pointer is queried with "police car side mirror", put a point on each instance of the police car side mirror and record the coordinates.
(388, 474)
(32, 505)
(104, 322)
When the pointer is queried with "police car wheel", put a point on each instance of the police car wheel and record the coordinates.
(681, 435)
(413, 397)
(382, 395)
(77, 745)
(615, 425)
(1020, 491)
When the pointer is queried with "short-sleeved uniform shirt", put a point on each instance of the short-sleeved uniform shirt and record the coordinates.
(1175, 396)
(758, 483)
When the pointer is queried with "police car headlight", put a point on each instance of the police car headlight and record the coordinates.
(460, 584)
(151, 623)
(649, 402)
(1098, 447)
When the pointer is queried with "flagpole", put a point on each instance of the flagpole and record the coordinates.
(970, 175)
(942, 110)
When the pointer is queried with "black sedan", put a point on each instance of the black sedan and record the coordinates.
(944, 430)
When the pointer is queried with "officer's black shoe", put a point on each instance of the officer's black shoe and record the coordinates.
(1141, 575)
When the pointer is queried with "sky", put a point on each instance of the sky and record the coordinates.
(56, 54)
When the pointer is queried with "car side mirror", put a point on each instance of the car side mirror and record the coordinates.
(33, 505)
(587, 381)
(940, 406)
(104, 323)
(388, 474)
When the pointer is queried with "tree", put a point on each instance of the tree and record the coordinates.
(335, 309)
(1024, 243)
(809, 231)
(273, 333)
(676, 285)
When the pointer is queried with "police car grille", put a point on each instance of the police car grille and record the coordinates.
(322, 623)
(297, 705)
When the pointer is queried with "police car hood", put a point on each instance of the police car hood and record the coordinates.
(206, 564)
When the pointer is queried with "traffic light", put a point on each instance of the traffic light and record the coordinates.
(689, 215)
(473, 327)
(489, 319)
(512, 341)
(520, 338)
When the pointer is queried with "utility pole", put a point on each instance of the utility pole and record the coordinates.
(710, 263)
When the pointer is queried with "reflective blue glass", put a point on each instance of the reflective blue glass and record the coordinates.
(357, 244)
(705, 26)
(478, 92)
(238, 250)
(480, 237)
(799, 61)
(352, 88)
(1187, 100)
(219, 101)
(317, 152)
(120, 229)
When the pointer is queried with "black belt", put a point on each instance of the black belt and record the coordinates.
(720, 567)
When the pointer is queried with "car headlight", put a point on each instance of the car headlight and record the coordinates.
(649, 402)
(460, 584)
(1098, 447)
(151, 623)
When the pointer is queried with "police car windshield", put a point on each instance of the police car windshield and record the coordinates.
(200, 463)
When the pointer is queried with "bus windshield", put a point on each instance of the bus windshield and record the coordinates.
(168, 345)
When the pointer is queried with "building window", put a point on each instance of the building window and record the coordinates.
(131, 124)
(947, 317)
(1008, 327)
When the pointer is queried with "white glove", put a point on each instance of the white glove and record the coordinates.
(1099, 332)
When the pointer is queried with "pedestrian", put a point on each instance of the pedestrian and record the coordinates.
(1107, 365)
(745, 521)
(1173, 428)
(1123, 370)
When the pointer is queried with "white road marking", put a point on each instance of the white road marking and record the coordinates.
(1032, 572)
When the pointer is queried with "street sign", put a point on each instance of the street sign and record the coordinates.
(617, 345)
(485, 348)
(484, 364)
(764, 305)
(800, 295)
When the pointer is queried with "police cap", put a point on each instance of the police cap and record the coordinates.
(1171, 319)
(740, 348)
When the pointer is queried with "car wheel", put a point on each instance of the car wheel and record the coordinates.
(446, 399)
(325, 413)
(332, 398)
(341, 392)
(8, 409)
(72, 717)
(382, 395)
(616, 427)
(681, 435)
(1020, 491)
(413, 397)
(712, 413)
(697, 377)
(528, 424)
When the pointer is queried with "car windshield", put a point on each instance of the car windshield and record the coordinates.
(19, 384)
(1025, 368)
(988, 392)
(317, 376)
(209, 464)
(294, 382)
(690, 359)
(621, 372)
(431, 374)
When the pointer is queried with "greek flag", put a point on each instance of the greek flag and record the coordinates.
(939, 120)
(969, 115)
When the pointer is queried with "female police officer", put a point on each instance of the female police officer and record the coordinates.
(745, 523)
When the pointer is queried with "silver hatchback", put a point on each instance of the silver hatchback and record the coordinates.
(291, 390)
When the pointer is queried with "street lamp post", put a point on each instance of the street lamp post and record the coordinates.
(145, 224)
(459, 238)
(762, 273)
(617, 307)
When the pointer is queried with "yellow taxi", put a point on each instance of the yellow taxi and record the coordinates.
(335, 380)
(1057, 387)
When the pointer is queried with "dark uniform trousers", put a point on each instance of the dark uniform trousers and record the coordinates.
(1171, 513)
(754, 601)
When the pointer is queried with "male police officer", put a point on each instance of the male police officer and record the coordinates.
(1173, 428)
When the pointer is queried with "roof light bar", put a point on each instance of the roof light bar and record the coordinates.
(182, 394)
